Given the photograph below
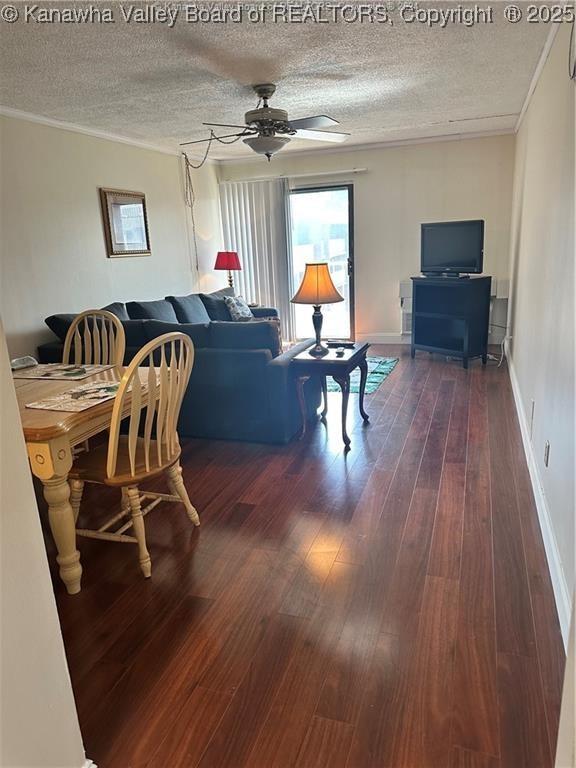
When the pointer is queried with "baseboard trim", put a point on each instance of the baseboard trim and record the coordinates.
(559, 584)
(383, 338)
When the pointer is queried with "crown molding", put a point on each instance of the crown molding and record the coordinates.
(223, 162)
(537, 72)
(49, 122)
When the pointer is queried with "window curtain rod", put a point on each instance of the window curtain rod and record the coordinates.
(290, 176)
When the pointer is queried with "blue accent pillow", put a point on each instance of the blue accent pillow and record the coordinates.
(118, 308)
(59, 324)
(189, 309)
(152, 310)
(215, 306)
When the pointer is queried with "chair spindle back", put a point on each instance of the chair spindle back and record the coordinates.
(157, 401)
(96, 337)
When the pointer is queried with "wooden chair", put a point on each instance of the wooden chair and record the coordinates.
(97, 338)
(151, 404)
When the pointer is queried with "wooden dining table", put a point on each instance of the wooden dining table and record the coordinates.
(50, 439)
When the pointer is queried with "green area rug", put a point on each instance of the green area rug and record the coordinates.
(378, 369)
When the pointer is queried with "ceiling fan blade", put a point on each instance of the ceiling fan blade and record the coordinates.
(322, 136)
(212, 138)
(225, 125)
(319, 121)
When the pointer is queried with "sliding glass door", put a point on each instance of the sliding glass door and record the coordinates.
(322, 226)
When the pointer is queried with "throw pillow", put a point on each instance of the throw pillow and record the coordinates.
(59, 324)
(118, 308)
(189, 309)
(238, 308)
(215, 306)
(152, 310)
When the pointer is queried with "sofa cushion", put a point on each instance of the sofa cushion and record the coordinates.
(214, 303)
(215, 306)
(198, 332)
(189, 309)
(118, 308)
(254, 335)
(59, 324)
(135, 332)
(152, 310)
(238, 308)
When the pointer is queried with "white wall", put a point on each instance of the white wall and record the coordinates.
(541, 351)
(52, 242)
(38, 722)
(404, 186)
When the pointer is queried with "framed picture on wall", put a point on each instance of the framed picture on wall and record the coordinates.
(125, 223)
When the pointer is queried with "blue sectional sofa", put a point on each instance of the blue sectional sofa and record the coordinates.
(241, 387)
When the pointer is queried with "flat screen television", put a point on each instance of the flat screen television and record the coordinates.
(451, 247)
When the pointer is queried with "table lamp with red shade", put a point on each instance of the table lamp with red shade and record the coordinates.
(228, 260)
(317, 288)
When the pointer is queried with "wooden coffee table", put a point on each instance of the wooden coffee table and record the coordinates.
(340, 369)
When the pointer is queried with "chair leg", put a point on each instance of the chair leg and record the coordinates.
(125, 502)
(139, 531)
(76, 491)
(177, 487)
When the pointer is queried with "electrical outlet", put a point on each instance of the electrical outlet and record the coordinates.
(546, 453)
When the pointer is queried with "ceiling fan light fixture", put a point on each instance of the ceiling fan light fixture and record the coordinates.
(266, 145)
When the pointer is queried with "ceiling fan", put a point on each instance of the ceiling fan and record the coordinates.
(268, 130)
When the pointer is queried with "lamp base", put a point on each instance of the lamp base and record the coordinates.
(318, 350)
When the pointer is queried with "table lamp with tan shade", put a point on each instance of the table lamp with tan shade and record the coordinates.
(317, 288)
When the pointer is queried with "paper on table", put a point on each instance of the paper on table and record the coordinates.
(60, 371)
(78, 399)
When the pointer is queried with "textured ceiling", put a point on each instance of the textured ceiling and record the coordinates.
(383, 82)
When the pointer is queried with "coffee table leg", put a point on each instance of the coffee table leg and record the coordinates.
(344, 382)
(363, 365)
(325, 396)
(300, 381)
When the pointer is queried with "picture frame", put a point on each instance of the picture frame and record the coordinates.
(125, 223)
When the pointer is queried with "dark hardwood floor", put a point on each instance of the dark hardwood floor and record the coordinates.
(385, 608)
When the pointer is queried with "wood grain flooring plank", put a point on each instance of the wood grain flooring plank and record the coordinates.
(475, 716)
(423, 736)
(327, 743)
(514, 620)
(402, 609)
(232, 741)
(523, 732)
(446, 547)
(189, 734)
(465, 758)
(477, 609)
(293, 707)
(406, 714)
(113, 726)
(432, 461)
(380, 702)
(457, 443)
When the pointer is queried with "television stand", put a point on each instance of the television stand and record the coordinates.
(451, 316)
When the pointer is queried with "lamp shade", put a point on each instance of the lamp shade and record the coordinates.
(317, 286)
(227, 260)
